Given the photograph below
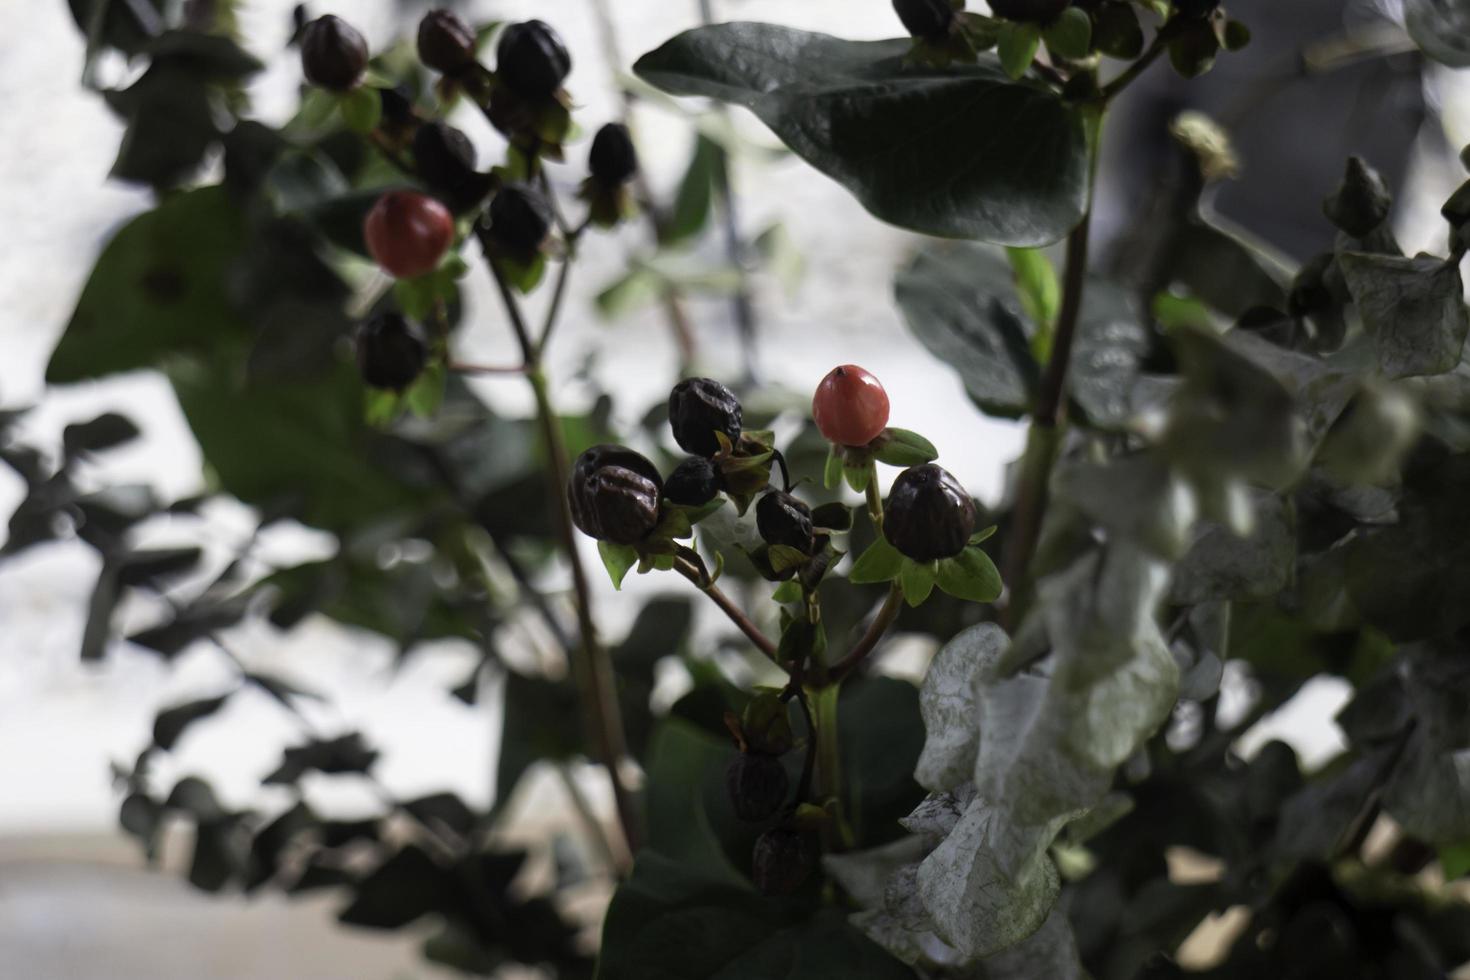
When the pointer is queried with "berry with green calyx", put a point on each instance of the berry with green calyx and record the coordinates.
(782, 519)
(1032, 11)
(928, 516)
(531, 60)
(757, 785)
(613, 161)
(694, 482)
(614, 494)
(446, 161)
(850, 406)
(333, 54)
(520, 220)
(698, 409)
(928, 19)
(391, 351)
(446, 43)
(782, 860)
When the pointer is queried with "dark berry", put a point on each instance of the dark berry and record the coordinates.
(757, 785)
(397, 107)
(782, 861)
(391, 351)
(407, 233)
(1196, 8)
(694, 482)
(613, 160)
(614, 494)
(928, 515)
(333, 54)
(446, 43)
(1034, 11)
(850, 406)
(446, 162)
(783, 519)
(699, 408)
(531, 61)
(925, 18)
(520, 219)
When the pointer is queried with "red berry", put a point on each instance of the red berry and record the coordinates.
(850, 406)
(407, 233)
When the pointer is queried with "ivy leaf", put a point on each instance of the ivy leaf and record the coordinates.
(1441, 28)
(1413, 309)
(1224, 565)
(947, 699)
(917, 579)
(1138, 497)
(857, 112)
(882, 562)
(970, 575)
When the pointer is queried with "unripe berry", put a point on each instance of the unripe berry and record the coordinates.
(757, 785)
(391, 351)
(925, 18)
(782, 860)
(333, 54)
(783, 519)
(613, 160)
(694, 482)
(614, 494)
(445, 42)
(531, 60)
(520, 220)
(407, 233)
(1034, 11)
(699, 408)
(850, 406)
(928, 515)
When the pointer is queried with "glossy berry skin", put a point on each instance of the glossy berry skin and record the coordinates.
(928, 515)
(1034, 11)
(785, 520)
(613, 160)
(693, 483)
(925, 18)
(614, 494)
(757, 785)
(850, 406)
(782, 861)
(520, 220)
(333, 54)
(700, 407)
(446, 162)
(407, 233)
(391, 351)
(531, 60)
(446, 43)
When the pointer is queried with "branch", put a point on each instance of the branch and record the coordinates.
(865, 644)
(697, 574)
(1130, 74)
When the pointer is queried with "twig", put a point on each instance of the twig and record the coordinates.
(590, 824)
(865, 644)
(697, 574)
(1128, 75)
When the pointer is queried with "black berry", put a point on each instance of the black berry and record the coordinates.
(613, 160)
(925, 18)
(757, 785)
(782, 860)
(614, 494)
(333, 54)
(695, 481)
(520, 219)
(1034, 11)
(783, 519)
(531, 61)
(928, 515)
(391, 351)
(699, 408)
(446, 162)
(1196, 8)
(446, 43)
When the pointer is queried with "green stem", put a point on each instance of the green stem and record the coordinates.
(874, 498)
(823, 702)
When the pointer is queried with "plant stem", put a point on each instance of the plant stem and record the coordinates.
(829, 756)
(590, 824)
(874, 498)
(1128, 75)
(696, 574)
(864, 646)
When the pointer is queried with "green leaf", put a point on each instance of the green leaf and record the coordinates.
(1413, 309)
(617, 559)
(668, 922)
(695, 199)
(1454, 860)
(540, 722)
(917, 579)
(170, 724)
(1137, 497)
(638, 288)
(362, 109)
(1070, 35)
(1017, 48)
(784, 557)
(1036, 285)
(900, 447)
(984, 534)
(882, 562)
(1001, 161)
(426, 394)
(788, 592)
(1441, 28)
(778, 249)
(159, 287)
(970, 575)
(947, 700)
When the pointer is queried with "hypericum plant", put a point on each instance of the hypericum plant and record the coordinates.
(1229, 461)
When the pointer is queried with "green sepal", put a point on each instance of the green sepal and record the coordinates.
(362, 108)
(1070, 35)
(699, 512)
(900, 447)
(984, 534)
(917, 580)
(784, 558)
(832, 472)
(617, 559)
(810, 818)
(858, 476)
(426, 394)
(882, 562)
(788, 592)
(970, 575)
(1017, 46)
(523, 276)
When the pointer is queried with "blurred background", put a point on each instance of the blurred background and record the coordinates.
(1324, 78)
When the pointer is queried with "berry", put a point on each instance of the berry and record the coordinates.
(782, 860)
(614, 494)
(391, 351)
(531, 61)
(613, 160)
(850, 406)
(694, 482)
(757, 785)
(446, 162)
(1196, 8)
(925, 18)
(407, 233)
(1035, 11)
(446, 43)
(333, 54)
(928, 515)
(699, 408)
(785, 520)
(520, 220)
(397, 106)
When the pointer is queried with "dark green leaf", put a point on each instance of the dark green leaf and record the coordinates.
(970, 575)
(1017, 47)
(1413, 309)
(170, 724)
(1441, 28)
(693, 203)
(900, 447)
(104, 432)
(408, 885)
(1070, 35)
(542, 721)
(917, 579)
(880, 563)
